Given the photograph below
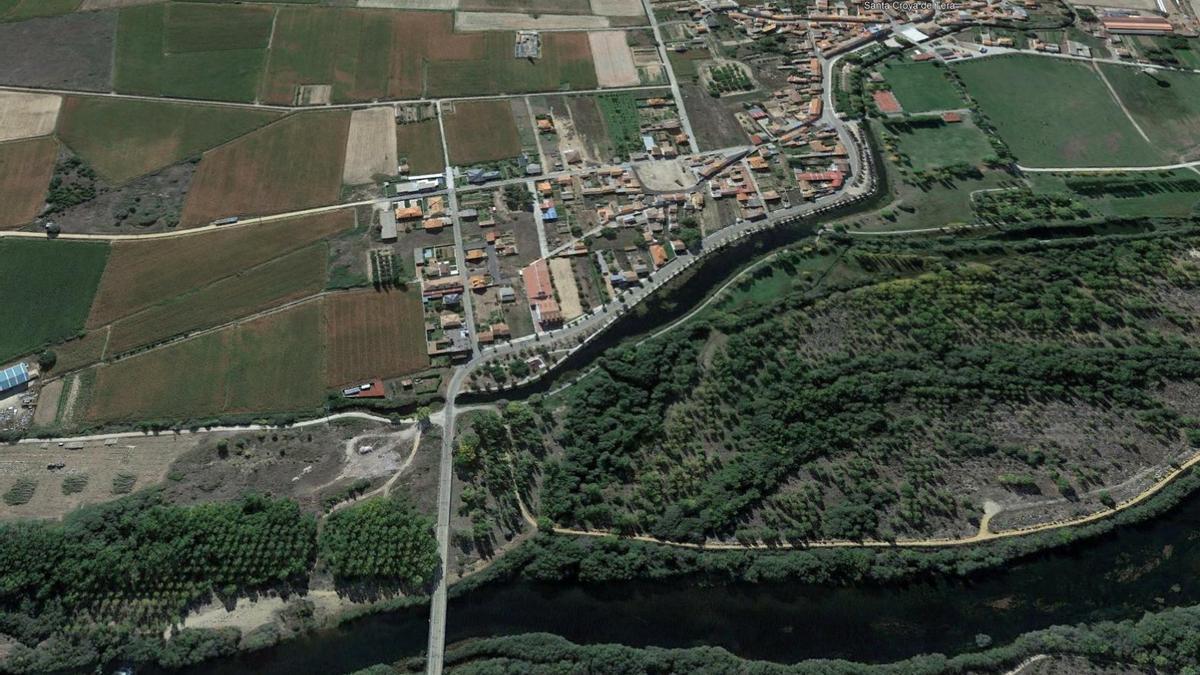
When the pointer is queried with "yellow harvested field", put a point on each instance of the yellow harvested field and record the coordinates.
(147, 457)
(564, 283)
(370, 146)
(25, 115)
(477, 21)
(618, 8)
(614, 59)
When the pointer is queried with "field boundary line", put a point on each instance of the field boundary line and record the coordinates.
(1121, 104)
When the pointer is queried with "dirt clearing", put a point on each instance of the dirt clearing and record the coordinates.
(25, 170)
(666, 175)
(47, 405)
(478, 21)
(564, 283)
(88, 473)
(614, 59)
(27, 115)
(371, 146)
(618, 8)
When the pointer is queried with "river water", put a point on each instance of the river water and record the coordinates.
(1136, 569)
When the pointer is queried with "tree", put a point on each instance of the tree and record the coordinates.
(47, 359)
(423, 414)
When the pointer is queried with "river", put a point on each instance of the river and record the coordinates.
(1136, 569)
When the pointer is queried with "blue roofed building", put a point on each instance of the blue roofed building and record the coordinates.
(13, 378)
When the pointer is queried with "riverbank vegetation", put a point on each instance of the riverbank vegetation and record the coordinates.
(965, 371)
(1160, 642)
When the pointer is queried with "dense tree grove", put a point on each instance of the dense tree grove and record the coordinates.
(140, 561)
(380, 540)
(860, 402)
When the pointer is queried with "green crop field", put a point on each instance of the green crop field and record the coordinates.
(192, 51)
(933, 145)
(281, 280)
(123, 138)
(1055, 112)
(922, 87)
(17, 10)
(481, 131)
(421, 144)
(621, 121)
(1170, 114)
(271, 364)
(47, 287)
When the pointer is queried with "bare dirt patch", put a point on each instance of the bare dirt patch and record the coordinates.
(147, 458)
(666, 175)
(47, 405)
(482, 21)
(24, 115)
(73, 51)
(614, 59)
(314, 94)
(564, 284)
(618, 8)
(370, 146)
(301, 464)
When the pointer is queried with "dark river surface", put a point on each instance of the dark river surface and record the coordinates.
(1136, 569)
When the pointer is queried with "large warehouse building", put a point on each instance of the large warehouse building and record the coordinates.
(13, 379)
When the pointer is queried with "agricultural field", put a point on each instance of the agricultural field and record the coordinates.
(188, 50)
(18, 10)
(929, 145)
(26, 115)
(566, 63)
(90, 473)
(420, 143)
(66, 52)
(371, 146)
(1166, 105)
(270, 364)
(367, 54)
(124, 138)
(290, 277)
(481, 131)
(47, 288)
(374, 334)
(25, 171)
(293, 164)
(1054, 112)
(922, 87)
(145, 273)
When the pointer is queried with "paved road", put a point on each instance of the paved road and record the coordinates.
(437, 604)
(666, 61)
(459, 251)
